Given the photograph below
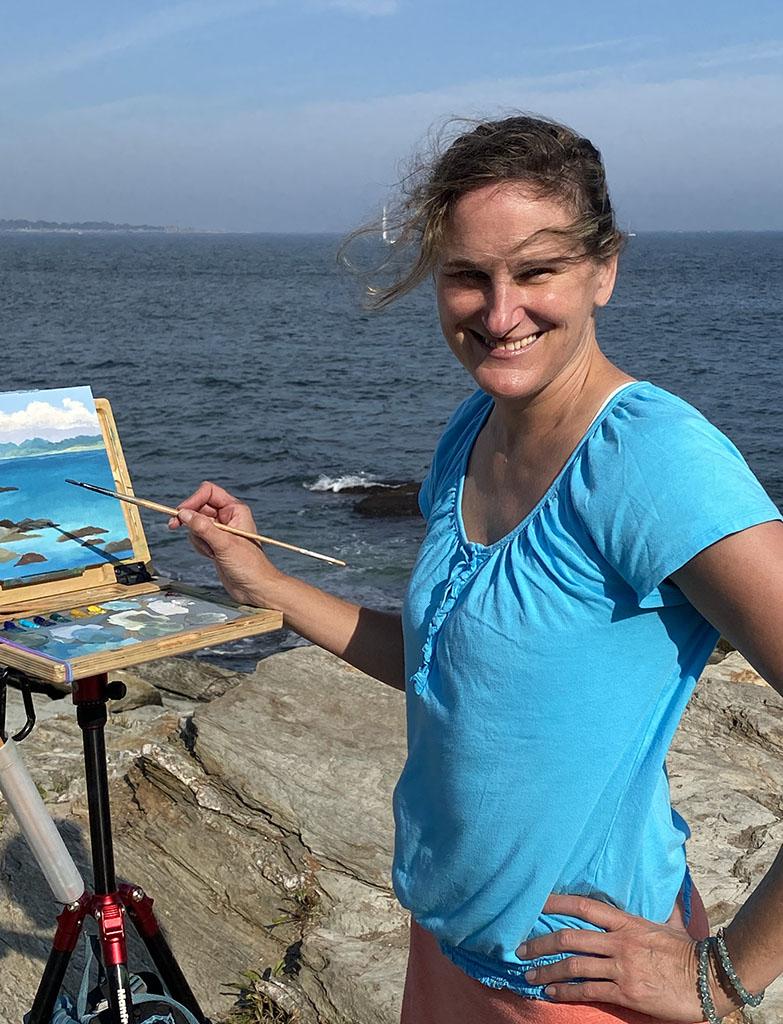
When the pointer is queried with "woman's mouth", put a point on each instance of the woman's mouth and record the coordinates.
(506, 344)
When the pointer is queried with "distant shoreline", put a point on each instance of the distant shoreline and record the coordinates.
(91, 227)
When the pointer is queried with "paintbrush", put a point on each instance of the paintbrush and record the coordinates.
(221, 526)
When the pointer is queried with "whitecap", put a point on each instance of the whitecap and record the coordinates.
(340, 483)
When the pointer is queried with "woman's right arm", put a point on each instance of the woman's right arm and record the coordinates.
(367, 639)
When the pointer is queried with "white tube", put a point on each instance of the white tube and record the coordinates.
(39, 830)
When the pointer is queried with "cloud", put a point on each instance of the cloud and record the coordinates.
(42, 419)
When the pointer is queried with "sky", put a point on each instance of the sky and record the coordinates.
(53, 414)
(299, 115)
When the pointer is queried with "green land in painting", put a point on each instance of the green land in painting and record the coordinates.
(39, 446)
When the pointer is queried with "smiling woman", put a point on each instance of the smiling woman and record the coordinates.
(516, 303)
(588, 536)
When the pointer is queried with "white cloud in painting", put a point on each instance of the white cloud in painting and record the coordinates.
(51, 422)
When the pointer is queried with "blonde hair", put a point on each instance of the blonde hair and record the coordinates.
(541, 154)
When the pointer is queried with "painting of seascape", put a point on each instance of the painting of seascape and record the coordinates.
(47, 526)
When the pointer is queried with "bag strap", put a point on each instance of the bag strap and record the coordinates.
(91, 955)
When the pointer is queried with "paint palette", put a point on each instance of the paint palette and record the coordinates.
(74, 642)
(80, 631)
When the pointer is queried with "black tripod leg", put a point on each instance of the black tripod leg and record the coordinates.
(90, 696)
(69, 925)
(139, 907)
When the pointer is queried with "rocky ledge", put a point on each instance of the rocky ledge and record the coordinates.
(255, 809)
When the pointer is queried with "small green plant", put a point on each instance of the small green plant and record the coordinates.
(254, 1006)
(305, 903)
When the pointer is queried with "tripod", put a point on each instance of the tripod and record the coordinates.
(109, 904)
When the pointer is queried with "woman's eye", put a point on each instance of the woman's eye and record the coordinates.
(536, 273)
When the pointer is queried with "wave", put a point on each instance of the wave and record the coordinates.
(351, 481)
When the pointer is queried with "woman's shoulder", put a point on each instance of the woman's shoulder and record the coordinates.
(656, 482)
(647, 406)
(645, 421)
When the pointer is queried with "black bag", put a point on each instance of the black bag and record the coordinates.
(151, 1005)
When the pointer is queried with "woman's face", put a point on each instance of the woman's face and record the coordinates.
(514, 310)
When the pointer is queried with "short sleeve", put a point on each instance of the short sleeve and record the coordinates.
(453, 448)
(657, 483)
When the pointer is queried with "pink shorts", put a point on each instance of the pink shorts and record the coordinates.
(438, 992)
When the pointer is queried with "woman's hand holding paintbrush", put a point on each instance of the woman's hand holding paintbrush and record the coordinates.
(243, 569)
(370, 640)
(247, 534)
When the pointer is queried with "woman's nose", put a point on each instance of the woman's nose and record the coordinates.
(503, 311)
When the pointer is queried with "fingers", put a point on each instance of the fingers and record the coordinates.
(214, 502)
(585, 992)
(208, 494)
(572, 968)
(593, 911)
(567, 940)
(201, 532)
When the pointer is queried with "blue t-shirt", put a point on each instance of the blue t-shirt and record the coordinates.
(546, 674)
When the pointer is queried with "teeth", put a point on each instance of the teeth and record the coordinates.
(512, 346)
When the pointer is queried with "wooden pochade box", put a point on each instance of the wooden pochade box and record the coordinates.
(122, 611)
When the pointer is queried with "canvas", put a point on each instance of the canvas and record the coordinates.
(46, 525)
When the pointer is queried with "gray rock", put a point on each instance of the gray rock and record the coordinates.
(186, 677)
(733, 668)
(318, 747)
(139, 693)
(726, 776)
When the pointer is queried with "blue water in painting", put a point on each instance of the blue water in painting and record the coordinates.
(43, 494)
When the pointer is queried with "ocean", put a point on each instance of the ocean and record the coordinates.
(247, 359)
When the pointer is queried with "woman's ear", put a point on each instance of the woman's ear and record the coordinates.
(607, 275)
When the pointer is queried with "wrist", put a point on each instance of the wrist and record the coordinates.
(271, 591)
(724, 998)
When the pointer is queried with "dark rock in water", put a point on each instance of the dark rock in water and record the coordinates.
(91, 542)
(31, 556)
(7, 524)
(85, 531)
(399, 500)
(118, 545)
(34, 524)
(4, 489)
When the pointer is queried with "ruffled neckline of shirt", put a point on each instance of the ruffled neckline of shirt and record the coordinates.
(476, 548)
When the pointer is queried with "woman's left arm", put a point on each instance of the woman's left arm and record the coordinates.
(737, 584)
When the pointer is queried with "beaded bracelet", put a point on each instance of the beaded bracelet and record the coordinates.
(731, 974)
(707, 1005)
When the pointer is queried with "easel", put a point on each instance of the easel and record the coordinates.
(87, 679)
(110, 903)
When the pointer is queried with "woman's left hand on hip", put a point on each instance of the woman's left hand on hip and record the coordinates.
(648, 967)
